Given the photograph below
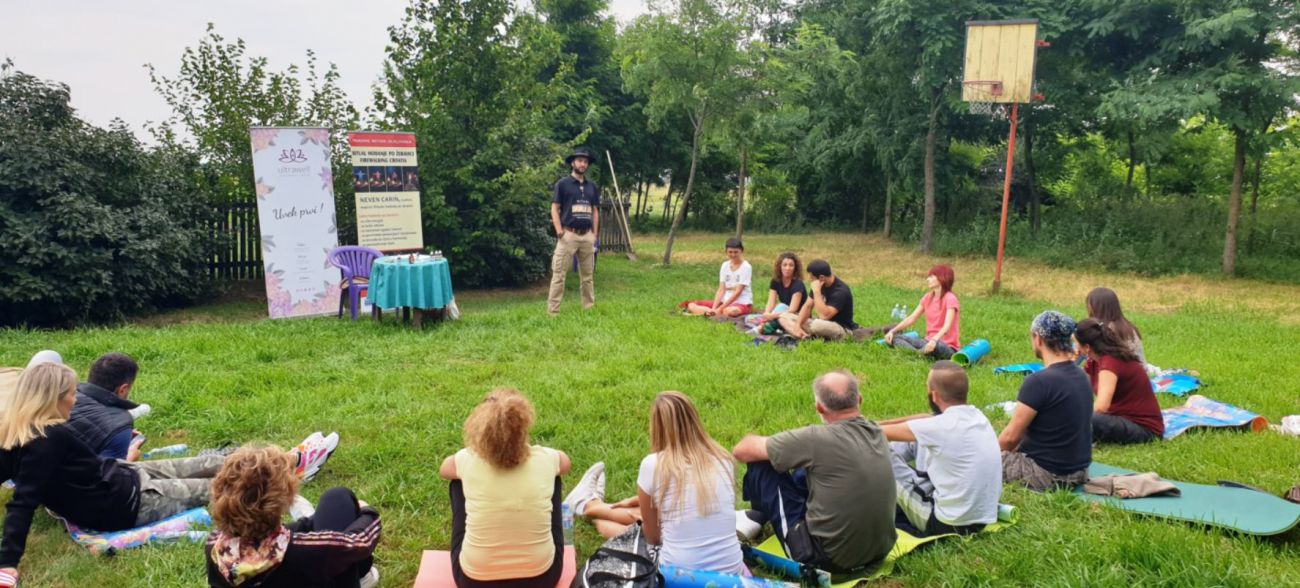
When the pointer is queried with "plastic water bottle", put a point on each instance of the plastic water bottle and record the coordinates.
(177, 449)
(902, 312)
(893, 314)
(566, 522)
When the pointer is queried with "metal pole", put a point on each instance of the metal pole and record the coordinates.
(1006, 198)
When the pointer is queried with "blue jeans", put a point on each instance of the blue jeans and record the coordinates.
(941, 349)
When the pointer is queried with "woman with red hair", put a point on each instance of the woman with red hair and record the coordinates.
(942, 318)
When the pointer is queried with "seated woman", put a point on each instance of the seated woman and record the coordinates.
(250, 545)
(505, 499)
(942, 318)
(786, 287)
(686, 490)
(51, 466)
(1103, 305)
(1125, 409)
(735, 295)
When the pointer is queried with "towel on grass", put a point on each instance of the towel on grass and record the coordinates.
(1200, 411)
(179, 527)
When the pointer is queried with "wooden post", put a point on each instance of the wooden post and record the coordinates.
(619, 213)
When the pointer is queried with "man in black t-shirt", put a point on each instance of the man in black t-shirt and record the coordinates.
(1048, 443)
(575, 216)
(833, 301)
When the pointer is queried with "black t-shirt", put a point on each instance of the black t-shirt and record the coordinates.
(839, 297)
(1059, 438)
(578, 202)
(784, 295)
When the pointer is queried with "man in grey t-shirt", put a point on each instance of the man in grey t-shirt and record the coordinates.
(827, 489)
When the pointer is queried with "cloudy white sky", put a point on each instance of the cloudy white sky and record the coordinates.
(99, 47)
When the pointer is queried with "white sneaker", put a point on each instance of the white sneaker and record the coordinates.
(747, 529)
(313, 452)
(301, 508)
(371, 579)
(592, 485)
(140, 411)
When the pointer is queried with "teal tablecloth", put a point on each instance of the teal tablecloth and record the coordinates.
(395, 282)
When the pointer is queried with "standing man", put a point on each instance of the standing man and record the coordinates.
(575, 215)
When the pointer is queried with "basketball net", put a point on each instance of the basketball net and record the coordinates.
(989, 109)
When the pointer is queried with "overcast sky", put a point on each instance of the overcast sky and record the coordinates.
(99, 47)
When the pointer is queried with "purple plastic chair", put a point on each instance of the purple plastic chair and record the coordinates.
(355, 264)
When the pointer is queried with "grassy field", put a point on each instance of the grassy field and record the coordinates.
(398, 397)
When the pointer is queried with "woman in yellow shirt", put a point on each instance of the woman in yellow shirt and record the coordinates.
(505, 499)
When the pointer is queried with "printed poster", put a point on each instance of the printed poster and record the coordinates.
(387, 191)
(295, 208)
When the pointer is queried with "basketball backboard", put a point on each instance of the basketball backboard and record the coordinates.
(1000, 57)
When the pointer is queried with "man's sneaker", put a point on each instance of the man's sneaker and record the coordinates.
(749, 523)
(313, 452)
(371, 579)
(592, 485)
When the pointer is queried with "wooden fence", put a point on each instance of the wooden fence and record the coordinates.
(239, 242)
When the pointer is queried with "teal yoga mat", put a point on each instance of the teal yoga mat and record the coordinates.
(1239, 509)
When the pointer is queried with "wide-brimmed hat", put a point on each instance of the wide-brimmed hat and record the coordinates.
(579, 152)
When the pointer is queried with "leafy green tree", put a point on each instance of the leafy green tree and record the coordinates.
(485, 90)
(685, 60)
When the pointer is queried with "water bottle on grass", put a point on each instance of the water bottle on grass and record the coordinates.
(566, 523)
(170, 450)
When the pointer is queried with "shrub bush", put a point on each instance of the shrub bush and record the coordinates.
(92, 225)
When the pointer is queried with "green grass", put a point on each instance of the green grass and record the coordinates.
(398, 397)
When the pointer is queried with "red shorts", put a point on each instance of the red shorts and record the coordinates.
(744, 308)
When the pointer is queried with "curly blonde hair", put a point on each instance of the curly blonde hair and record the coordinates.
(497, 429)
(253, 490)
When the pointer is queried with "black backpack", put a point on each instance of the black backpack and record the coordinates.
(625, 561)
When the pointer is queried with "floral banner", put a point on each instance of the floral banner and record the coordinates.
(295, 208)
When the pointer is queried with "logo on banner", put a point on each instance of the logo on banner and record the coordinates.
(292, 156)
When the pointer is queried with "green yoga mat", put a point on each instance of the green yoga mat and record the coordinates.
(1239, 509)
(905, 544)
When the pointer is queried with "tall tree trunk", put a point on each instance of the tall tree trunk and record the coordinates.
(686, 197)
(740, 196)
(1254, 202)
(1034, 198)
(668, 199)
(1132, 164)
(1234, 205)
(889, 202)
(931, 137)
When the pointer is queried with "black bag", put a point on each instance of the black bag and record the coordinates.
(625, 561)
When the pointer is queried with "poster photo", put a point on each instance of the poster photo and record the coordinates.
(387, 191)
(295, 209)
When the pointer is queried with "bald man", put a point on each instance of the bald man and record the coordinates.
(827, 489)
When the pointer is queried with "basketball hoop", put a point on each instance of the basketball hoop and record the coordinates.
(979, 92)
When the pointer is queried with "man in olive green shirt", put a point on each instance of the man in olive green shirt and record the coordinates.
(827, 489)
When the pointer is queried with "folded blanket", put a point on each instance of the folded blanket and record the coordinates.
(1200, 411)
(1131, 486)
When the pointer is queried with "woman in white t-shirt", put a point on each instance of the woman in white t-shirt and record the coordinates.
(686, 493)
(735, 295)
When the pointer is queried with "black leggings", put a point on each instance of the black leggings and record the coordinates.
(336, 511)
(547, 579)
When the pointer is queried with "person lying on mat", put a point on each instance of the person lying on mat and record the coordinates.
(250, 545)
(957, 481)
(942, 318)
(505, 499)
(1103, 305)
(735, 295)
(828, 490)
(103, 418)
(831, 298)
(786, 287)
(1048, 443)
(1125, 409)
(686, 490)
(51, 466)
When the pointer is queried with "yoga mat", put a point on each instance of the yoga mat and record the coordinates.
(675, 577)
(771, 556)
(1200, 411)
(1239, 509)
(178, 527)
(972, 353)
(435, 569)
(1176, 384)
(1019, 368)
